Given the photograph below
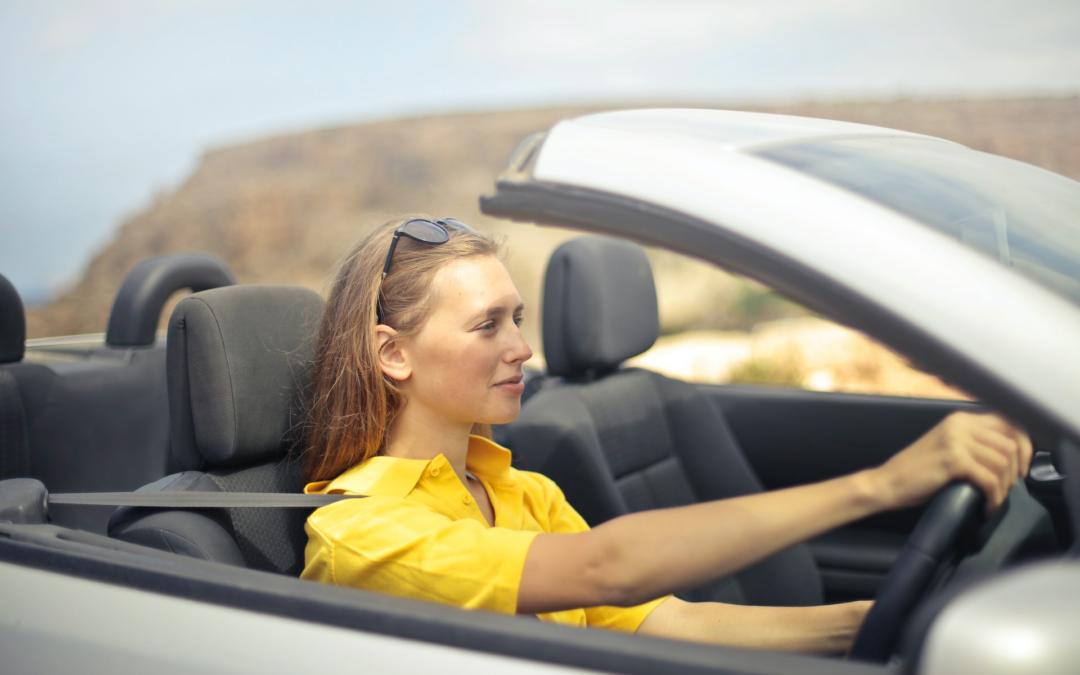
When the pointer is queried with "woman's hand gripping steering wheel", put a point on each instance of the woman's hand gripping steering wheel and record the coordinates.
(964, 452)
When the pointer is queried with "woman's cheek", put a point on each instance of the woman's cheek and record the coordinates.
(467, 377)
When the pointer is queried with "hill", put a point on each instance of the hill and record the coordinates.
(284, 209)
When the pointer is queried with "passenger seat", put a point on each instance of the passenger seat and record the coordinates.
(237, 371)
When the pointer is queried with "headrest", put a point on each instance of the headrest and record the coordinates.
(238, 364)
(599, 306)
(12, 323)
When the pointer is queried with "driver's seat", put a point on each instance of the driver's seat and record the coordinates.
(618, 440)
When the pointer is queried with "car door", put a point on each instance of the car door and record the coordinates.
(794, 436)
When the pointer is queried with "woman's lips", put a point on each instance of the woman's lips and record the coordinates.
(514, 385)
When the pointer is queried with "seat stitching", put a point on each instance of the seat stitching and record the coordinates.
(163, 532)
(160, 532)
(228, 371)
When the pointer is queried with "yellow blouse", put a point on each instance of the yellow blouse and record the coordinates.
(419, 534)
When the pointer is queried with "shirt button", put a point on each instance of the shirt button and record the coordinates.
(467, 499)
(435, 472)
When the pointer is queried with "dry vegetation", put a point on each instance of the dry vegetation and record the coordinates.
(285, 209)
(803, 352)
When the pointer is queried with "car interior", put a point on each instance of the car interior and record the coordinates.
(91, 412)
(218, 408)
(236, 380)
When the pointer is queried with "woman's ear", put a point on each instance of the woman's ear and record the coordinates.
(392, 358)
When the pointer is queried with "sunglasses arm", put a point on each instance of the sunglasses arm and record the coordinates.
(390, 255)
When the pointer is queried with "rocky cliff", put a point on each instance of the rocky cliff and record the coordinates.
(284, 209)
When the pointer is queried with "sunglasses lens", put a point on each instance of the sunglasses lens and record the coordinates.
(457, 225)
(425, 231)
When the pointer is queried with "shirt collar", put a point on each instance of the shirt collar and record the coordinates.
(487, 459)
(397, 476)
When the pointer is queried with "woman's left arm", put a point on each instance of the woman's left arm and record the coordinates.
(826, 629)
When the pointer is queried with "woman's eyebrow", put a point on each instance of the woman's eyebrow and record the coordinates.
(493, 311)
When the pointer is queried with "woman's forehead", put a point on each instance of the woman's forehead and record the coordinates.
(475, 284)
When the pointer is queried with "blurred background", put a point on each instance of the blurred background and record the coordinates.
(274, 134)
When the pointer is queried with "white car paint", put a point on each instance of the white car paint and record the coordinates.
(50, 622)
(1036, 635)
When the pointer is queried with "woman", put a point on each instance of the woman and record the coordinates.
(420, 350)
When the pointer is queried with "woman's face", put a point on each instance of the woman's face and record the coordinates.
(465, 363)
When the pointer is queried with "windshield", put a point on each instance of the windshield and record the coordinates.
(1024, 217)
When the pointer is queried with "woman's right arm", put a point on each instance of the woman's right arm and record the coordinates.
(635, 558)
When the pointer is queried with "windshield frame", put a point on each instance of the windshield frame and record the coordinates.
(1025, 218)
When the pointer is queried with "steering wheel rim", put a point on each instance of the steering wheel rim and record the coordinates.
(955, 509)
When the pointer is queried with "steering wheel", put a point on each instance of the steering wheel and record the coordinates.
(954, 510)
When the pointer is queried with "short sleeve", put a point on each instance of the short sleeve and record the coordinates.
(621, 618)
(552, 504)
(564, 519)
(402, 547)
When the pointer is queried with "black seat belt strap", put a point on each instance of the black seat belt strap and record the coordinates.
(197, 500)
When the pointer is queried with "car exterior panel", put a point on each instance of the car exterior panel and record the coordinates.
(1024, 336)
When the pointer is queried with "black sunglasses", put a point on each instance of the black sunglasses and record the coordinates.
(434, 232)
(426, 231)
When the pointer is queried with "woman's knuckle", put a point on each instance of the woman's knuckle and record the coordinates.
(950, 463)
(959, 435)
(957, 457)
(1000, 461)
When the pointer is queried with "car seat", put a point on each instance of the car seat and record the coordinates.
(619, 440)
(82, 415)
(237, 370)
(14, 444)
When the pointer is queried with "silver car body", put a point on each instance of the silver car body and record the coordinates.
(700, 163)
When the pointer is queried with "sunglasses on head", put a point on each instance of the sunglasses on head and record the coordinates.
(423, 230)
(426, 231)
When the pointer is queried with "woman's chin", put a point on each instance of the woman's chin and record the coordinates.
(503, 416)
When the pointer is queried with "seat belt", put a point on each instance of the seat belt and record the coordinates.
(198, 500)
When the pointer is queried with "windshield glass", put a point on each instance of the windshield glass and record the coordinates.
(1024, 217)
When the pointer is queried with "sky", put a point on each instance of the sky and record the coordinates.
(105, 103)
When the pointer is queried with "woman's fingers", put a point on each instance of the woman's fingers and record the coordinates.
(984, 449)
(1023, 450)
(999, 468)
(1005, 446)
(989, 482)
(1027, 452)
(992, 458)
(999, 452)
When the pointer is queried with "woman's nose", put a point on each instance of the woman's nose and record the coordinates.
(519, 349)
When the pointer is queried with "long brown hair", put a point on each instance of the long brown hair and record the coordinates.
(352, 402)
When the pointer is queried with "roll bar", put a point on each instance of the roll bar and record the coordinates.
(137, 308)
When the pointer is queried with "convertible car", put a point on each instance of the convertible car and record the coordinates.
(968, 264)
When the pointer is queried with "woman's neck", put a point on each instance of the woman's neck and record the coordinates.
(414, 435)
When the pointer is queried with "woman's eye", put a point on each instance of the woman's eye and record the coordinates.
(518, 320)
(490, 325)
